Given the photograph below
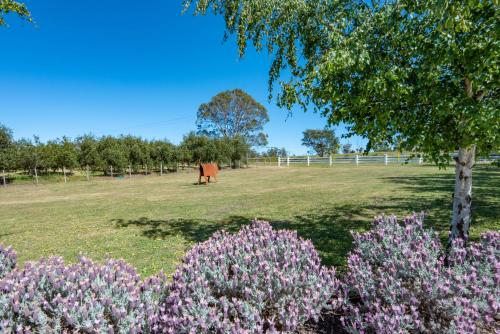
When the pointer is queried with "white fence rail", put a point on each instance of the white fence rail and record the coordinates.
(358, 159)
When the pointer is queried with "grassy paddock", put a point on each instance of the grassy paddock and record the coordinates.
(151, 221)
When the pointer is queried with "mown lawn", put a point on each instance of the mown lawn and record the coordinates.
(151, 221)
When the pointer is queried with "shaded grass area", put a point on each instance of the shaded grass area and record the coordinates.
(152, 221)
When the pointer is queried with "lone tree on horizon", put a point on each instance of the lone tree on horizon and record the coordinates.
(233, 113)
(323, 142)
(424, 74)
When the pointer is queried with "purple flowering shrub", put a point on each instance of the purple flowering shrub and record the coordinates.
(397, 282)
(8, 260)
(257, 280)
(49, 296)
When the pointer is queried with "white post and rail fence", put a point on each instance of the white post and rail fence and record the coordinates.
(351, 159)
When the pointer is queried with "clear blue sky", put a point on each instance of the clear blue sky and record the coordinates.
(122, 66)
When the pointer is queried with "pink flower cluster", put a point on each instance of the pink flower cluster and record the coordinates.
(257, 280)
(397, 282)
(51, 297)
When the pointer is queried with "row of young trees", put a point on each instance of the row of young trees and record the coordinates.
(116, 154)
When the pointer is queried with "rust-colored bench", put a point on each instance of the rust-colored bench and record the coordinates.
(208, 170)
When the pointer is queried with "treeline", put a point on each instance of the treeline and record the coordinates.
(116, 155)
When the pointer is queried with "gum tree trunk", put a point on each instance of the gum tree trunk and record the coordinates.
(462, 197)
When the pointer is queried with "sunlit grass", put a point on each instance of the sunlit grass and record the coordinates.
(151, 221)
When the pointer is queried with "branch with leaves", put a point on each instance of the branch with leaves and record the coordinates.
(10, 6)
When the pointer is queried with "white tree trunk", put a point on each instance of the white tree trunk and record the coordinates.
(462, 197)
(88, 173)
(3, 176)
(64, 172)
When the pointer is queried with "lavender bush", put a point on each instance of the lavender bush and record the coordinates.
(397, 282)
(48, 296)
(258, 280)
(8, 260)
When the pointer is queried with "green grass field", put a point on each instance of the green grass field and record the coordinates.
(151, 221)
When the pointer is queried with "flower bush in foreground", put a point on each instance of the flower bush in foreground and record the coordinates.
(8, 260)
(49, 296)
(257, 280)
(397, 282)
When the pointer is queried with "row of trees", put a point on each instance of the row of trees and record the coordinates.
(116, 154)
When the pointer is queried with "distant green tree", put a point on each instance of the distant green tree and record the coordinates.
(10, 6)
(347, 148)
(5, 137)
(133, 151)
(66, 155)
(275, 152)
(323, 142)
(163, 152)
(7, 149)
(88, 153)
(382, 146)
(146, 159)
(225, 150)
(426, 72)
(29, 154)
(49, 153)
(240, 148)
(112, 154)
(199, 148)
(233, 113)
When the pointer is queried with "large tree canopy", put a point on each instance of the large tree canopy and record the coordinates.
(9, 6)
(422, 73)
(233, 113)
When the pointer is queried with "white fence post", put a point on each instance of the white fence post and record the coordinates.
(308, 161)
(385, 159)
(287, 161)
(161, 168)
(279, 161)
(420, 160)
(357, 159)
(330, 161)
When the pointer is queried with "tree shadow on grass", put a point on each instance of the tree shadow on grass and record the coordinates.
(329, 231)
(193, 230)
(434, 195)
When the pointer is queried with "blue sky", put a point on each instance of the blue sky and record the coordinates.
(122, 66)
